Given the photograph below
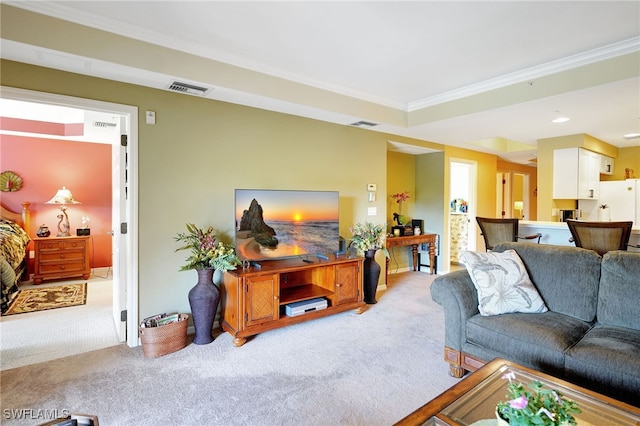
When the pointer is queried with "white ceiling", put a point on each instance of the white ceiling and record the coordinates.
(457, 72)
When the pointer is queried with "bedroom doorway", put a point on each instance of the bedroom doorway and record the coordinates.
(124, 202)
(462, 208)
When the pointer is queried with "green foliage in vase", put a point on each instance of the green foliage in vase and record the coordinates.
(206, 250)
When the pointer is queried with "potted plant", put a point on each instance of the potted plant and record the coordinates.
(368, 238)
(207, 255)
(536, 405)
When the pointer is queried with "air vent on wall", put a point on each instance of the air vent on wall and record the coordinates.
(190, 89)
(103, 124)
(363, 123)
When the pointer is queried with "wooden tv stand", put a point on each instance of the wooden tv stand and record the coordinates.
(254, 300)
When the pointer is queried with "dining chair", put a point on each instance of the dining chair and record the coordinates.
(495, 231)
(600, 237)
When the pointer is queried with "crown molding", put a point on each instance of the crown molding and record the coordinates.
(592, 56)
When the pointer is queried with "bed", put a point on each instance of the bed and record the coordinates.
(14, 241)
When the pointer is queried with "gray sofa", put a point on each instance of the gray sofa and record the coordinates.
(589, 336)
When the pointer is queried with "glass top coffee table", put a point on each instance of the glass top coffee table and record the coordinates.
(473, 400)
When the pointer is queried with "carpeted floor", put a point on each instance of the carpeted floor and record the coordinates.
(55, 333)
(42, 299)
(345, 369)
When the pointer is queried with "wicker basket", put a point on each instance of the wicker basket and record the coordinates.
(165, 339)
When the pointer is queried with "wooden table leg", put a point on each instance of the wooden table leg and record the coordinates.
(432, 257)
(414, 252)
(386, 270)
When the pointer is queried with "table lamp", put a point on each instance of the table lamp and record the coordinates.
(63, 197)
(519, 206)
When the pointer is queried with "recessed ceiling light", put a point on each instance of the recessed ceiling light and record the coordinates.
(632, 135)
(560, 120)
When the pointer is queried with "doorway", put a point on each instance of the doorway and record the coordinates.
(512, 195)
(124, 202)
(462, 208)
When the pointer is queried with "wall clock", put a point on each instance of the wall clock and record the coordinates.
(10, 182)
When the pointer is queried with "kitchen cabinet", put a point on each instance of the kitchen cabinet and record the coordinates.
(606, 165)
(576, 174)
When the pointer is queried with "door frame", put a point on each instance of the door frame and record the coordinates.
(505, 190)
(127, 280)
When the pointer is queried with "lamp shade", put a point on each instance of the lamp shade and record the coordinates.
(63, 196)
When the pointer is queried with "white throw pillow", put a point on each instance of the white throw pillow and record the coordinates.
(502, 283)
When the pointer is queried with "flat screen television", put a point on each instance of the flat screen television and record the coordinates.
(273, 224)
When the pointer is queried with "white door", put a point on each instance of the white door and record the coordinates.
(118, 217)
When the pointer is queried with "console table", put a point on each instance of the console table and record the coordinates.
(414, 241)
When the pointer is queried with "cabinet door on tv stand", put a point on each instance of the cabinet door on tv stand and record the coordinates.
(262, 304)
(347, 288)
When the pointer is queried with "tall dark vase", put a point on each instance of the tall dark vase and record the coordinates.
(371, 274)
(203, 299)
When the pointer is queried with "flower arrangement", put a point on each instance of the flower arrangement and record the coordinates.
(206, 250)
(537, 406)
(400, 197)
(367, 236)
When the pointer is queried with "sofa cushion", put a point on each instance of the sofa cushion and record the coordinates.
(619, 290)
(606, 360)
(502, 283)
(537, 340)
(566, 277)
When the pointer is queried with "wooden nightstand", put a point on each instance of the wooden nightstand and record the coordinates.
(61, 257)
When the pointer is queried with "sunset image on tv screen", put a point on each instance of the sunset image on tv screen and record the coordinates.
(281, 223)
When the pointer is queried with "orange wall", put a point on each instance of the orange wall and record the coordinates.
(46, 165)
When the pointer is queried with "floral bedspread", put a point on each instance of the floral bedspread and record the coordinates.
(14, 241)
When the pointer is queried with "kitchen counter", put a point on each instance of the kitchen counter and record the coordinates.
(557, 233)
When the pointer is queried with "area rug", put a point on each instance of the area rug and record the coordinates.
(41, 299)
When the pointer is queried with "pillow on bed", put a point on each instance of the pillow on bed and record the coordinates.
(502, 283)
(7, 273)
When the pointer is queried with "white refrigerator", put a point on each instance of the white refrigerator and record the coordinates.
(622, 198)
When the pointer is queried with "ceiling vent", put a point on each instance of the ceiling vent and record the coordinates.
(190, 89)
(103, 124)
(363, 123)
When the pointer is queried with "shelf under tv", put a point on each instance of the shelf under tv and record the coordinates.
(302, 292)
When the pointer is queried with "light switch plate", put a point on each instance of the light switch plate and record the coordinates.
(372, 211)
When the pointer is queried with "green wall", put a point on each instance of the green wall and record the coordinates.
(431, 187)
(200, 150)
